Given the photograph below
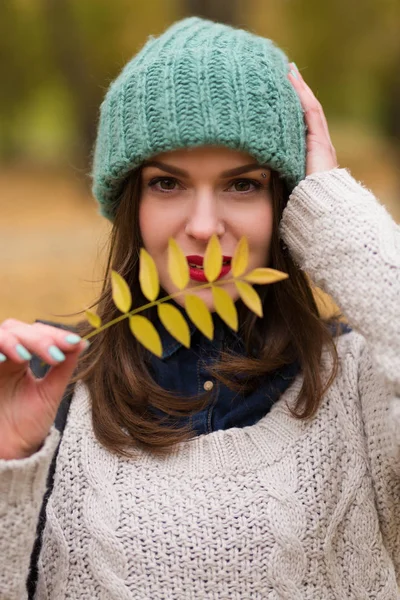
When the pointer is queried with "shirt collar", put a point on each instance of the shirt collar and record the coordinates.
(171, 345)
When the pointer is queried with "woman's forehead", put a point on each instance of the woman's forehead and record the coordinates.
(203, 153)
(206, 159)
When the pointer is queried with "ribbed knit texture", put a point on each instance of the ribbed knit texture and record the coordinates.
(283, 509)
(199, 83)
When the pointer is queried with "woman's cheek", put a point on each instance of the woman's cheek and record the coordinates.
(152, 225)
(144, 219)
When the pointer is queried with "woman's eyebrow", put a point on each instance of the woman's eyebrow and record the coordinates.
(243, 169)
(182, 173)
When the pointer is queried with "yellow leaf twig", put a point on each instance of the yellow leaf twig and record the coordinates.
(196, 309)
(148, 276)
(212, 262)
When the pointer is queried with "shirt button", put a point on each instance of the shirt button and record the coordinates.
(208, 386)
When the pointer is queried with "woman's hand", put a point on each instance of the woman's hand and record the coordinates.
(28, 406)
(321, 155)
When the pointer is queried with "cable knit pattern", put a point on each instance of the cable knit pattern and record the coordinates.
(199, 83)
(280, 510)
(22, 485)
(333, 212)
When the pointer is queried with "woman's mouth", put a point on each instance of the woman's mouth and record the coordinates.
(196, 270)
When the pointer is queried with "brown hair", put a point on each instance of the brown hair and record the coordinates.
(116, 367)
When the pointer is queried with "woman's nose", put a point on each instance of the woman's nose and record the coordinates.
(204, 218)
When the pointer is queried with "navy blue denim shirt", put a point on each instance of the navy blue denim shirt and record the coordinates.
(185, 371)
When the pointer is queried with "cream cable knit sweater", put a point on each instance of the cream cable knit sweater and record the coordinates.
(282, 509)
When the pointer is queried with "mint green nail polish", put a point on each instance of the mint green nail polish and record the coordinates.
(294, 73)
(72, 338)
(23, 352)
(295, 66)
(56, 353)
(3, 357)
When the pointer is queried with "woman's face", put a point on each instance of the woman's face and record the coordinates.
(193, 193)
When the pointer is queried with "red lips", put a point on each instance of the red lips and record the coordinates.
(196, 272)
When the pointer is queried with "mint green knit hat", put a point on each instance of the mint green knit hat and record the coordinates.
(199, 83)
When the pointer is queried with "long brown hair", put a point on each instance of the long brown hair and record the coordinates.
(116, 367)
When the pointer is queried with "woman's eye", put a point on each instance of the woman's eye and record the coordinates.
(245, 185)
(166, 184)
(169, 184)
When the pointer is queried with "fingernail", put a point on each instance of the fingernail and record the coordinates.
(295, 66)
(86, 346)
(72, 338)
(56, 353)
(294, 73)
(3, 357)
(23, 352)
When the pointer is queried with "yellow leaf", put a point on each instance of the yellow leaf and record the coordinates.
(121, 293)
(175, 323)
(145, 332)
(225, 307)
(198, 312)
(148, 276)
(178, 267)
(212, 259)
(240, 258)
(263, 275)
(93, 319)
(250, 297)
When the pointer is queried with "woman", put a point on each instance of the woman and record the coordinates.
(264, 464)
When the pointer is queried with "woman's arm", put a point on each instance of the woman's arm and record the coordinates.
(350, 246)
(339, 233)
(346, 240)
(22, 487)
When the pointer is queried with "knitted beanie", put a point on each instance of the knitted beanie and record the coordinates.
(199, 83)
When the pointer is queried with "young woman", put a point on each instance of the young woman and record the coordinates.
(263, 464)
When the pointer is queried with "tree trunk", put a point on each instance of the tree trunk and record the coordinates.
(72, 63)
(224, 11)
(393, 106)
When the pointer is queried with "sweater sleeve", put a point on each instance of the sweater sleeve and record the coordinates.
(347, 242)
(22, 487)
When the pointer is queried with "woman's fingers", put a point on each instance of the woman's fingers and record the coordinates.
(29, 405)
(18, 341)
(313, 112)
(321, 154)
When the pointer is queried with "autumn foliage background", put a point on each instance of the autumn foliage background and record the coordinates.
(57, 59)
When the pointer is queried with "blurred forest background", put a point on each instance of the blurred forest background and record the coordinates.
(59, 56)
